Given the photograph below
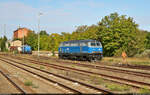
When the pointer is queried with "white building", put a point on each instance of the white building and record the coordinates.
(16, 43)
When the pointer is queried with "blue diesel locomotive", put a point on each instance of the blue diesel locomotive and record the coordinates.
(90, 50)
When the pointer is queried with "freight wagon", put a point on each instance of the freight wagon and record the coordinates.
(26, 49)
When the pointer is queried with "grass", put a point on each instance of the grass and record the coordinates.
(111, 86)
(41, 67)
(73, 66)
(28, 83)
(110, 60)
(96, 80)
(141, 63)
(130, 60)
(117, 87)
(35, 86)
(100, 80)
(144, 90)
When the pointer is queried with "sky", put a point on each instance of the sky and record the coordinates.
(65, 15)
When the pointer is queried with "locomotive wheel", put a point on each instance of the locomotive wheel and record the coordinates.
(93, 59)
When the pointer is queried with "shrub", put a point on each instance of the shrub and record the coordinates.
(145, 54)
(110, 60)
(53, 53)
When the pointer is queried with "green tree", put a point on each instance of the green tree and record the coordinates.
(44, 42)
(55, 40)
(78, 33)
(147, 41)
(65, 36)
(117, 34)
(43, 32)
(91, 32)
(32, 40)
(3, 41)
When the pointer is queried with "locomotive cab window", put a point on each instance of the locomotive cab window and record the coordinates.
(93, 44)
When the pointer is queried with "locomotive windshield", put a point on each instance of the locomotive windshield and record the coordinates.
(95, 44)
(98, 44)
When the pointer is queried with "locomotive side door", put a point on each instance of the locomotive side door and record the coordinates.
(80, 44)
(67, 47)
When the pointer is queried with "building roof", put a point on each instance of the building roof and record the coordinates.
(21, 29)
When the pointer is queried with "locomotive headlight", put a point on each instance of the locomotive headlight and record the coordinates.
(99, 49)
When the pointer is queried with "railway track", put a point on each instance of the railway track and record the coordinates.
(141, 67)
(74, 90)
(136, 73)
(13, 83)
(126, 81)
(108, 68)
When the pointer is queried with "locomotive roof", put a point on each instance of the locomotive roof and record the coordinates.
(79, 41)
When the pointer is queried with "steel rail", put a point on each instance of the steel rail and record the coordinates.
(13, 83)
(119, 78)
(137, 73)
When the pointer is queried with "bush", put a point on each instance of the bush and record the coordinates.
(111, 60)
(118, 52)
(145, 54)
(53, 53)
